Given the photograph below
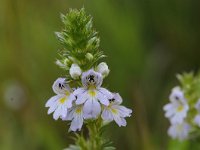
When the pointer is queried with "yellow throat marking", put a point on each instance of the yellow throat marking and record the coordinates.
(114, 111)
(63, 99)
(180, 108)
(92, 93)
(78, 110)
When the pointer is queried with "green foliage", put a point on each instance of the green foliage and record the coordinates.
(190, 83)
(184, 145)
(79, 39)
(153, 40)
(177, 145)
(95, 139)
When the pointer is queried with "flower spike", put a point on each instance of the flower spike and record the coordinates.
(81, 98)
(183, 111)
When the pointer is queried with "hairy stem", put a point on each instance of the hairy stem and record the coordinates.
(94, 135)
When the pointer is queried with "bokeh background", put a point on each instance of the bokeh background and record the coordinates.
(147, 42)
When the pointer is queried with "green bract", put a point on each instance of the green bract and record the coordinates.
(79, 39)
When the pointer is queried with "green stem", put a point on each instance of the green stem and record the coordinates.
(94, 135)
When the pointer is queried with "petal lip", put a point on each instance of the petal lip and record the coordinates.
(76, 117)
(91, 109)
(57, 113)
(120, 121)
(52, 108)
(103, 99)
(107, 115)
(70, 100)
(82, 98)
(123, 111)
(117, 99)
(52, 100)
(76, 124)
(79, 91)
(105, 92)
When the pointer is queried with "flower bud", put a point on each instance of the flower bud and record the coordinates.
(66, 61)
(89, 56)
(59, 63)
(103, 69)
(74, 60)
(75, 71)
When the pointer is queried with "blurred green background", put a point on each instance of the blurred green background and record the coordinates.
(147, 43)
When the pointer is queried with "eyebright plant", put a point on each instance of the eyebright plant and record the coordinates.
(80, 97)
(183, 111)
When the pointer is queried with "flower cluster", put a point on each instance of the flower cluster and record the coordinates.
(90, 101)
(183, 111)
(177, 111)
(80, 98)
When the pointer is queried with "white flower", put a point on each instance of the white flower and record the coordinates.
(115, 111)
(75, 114)
(75, 71)
(179, 131)
(92, 94)
(177, 110)
(197, 117)
(177, 94)
(60, 103)
(103, 69)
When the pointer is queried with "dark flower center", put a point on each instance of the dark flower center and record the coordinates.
(111, 100)
(61, 86)
(91, 78)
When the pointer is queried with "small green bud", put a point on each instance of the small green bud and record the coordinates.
(59, 63)
(89, 56)
(66, 61)
(74, 60)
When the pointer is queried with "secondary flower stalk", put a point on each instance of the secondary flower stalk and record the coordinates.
(183, 111)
